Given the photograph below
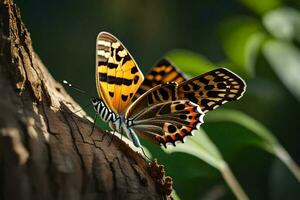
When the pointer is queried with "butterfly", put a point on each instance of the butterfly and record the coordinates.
(164, 106)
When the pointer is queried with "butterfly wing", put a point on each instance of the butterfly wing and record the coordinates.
(208, 90)
(212, 89)
(168, 122)
(169, 112)
(117, 74)
(163, 72)
(159, 117)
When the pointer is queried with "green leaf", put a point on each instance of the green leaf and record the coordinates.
(175, 195)
(267, 141)
(283, 23)
(284, 58)
(239, 43)
(261, 6)
(190, 62)
(202, 147)
(244, 120)
(252, 50)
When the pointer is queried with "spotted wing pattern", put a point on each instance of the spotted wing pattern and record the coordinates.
(167, 122)
(117, 74)
(163, 72)
(159, 94)
(212, 89)
(209, 91)
(156, 116)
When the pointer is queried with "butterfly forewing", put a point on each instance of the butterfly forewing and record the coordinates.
(158, 94)
(212, 89)
(163, 72)
(117, 74)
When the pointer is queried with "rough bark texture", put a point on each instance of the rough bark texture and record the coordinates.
(46, 151)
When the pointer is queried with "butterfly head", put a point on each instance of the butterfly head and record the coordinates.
(95, 101)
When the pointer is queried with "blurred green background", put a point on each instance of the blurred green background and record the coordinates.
(257, 39)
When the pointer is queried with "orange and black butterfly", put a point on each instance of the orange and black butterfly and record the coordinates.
(163, 107)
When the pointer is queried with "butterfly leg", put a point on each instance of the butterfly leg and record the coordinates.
(83, 107)
(149, 159)
(106, 131)
(95, 118)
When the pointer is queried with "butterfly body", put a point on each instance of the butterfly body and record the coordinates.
(164, 107)
(106, 114)
(117, 123)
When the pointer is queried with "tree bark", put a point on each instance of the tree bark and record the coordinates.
(46, 151)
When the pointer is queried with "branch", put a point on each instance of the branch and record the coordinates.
(46, 151)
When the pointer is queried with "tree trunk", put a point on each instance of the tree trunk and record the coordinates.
(46, 151)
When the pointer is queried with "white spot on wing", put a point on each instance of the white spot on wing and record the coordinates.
(103, 43)
(103, 53)
(122, 53)
(115, 45)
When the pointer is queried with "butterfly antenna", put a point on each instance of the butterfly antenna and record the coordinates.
(75, 87)
(82, 108)
(105, 131)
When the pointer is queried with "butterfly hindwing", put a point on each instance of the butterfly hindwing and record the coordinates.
(117, 74)
(159, 116)
(212, 89)
(167, 122)
(163, 72)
